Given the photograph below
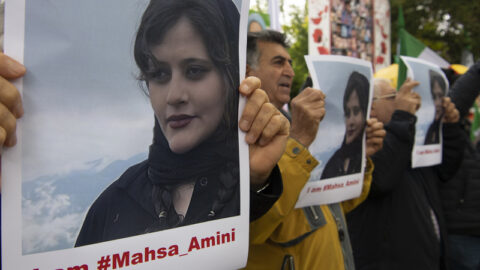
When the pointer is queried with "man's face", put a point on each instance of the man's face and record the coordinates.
(384, 103)
(275, 71)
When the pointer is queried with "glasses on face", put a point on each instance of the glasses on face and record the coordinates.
(387, 96)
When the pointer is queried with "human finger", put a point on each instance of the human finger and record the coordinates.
(3, 136)
(9, 68)
(261, 120)
(278, 124)
(408, 85)
(10, 97)
(9, 123)
(249, 85)
(253, 105)
(314, 92)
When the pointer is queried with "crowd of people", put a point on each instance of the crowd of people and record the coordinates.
(405, 218)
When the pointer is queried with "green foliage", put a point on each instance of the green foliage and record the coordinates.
(445, 26)
(297, 31)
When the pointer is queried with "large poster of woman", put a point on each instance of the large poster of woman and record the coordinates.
(130, 150)
(433, 87)
(340, 143)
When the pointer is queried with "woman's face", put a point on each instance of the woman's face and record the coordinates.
(438, 95)
(354, 118)
(187, 92)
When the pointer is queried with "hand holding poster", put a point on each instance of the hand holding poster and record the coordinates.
(340, 143)
(87, 124)
(433, 87)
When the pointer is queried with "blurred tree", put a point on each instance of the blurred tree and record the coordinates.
(445, 26)
(297, 32)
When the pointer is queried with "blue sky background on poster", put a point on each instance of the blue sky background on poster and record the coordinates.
(77, 143)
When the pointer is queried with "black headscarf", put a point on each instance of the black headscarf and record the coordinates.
(219, 152)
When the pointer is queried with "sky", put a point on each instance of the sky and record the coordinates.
(73, 106)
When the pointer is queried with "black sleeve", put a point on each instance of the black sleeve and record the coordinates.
(395, 156)
(91, 230)
(454, 143)
(261, 202)
(466, 89)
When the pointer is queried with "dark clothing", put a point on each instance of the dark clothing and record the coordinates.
(336, 164)
(461, 195)
(433, 133)
(125, 208)
(394, 227)
(466, 89)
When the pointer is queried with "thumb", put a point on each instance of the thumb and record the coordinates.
(408, 85)
(9, 68)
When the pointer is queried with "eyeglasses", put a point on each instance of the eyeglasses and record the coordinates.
(387, 96)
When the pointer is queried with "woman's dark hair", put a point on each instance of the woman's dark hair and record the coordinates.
(436, 77)
(210, 18)
(359, 83)
(217, 22)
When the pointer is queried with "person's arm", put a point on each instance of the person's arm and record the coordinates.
(395, 156)
(453, 142)
(466, 89)
(295, 166)
(307, 111)
(266, 131)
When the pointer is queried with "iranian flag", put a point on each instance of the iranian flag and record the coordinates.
(410, 46)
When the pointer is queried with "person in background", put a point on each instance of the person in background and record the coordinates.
(401, 224)
(313, 237)
(461, 195)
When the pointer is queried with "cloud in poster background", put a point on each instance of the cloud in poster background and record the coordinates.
(54, 207)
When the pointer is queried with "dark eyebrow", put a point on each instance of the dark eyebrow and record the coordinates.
(197, 61)
(283, 59)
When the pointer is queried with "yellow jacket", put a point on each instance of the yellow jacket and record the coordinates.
(284, 230)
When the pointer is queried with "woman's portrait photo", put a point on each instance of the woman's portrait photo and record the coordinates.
(339, 145)
(187, 53)
(438, 89)
(348, 158)
(139, 135)
(433, 87)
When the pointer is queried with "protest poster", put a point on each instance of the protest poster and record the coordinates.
(96, 71)
(433, 87)
(339, 146)
(358, 29)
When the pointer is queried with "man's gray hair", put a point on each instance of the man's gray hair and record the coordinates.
(253, 54)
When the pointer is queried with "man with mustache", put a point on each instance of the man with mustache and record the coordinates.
(314, 237)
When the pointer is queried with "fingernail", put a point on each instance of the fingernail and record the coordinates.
(15, 67)
(244, 125)
(245, 88)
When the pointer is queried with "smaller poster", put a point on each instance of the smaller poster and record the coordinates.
(340, 143)
(427, 150)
